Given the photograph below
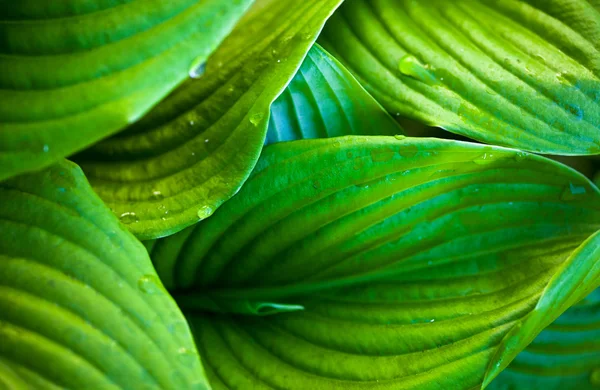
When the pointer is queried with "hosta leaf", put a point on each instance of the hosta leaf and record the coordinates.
(195, 149)
(517, 73)
(413, 259)
(81, 306)
(324, 100)
(566, 355)
(73, 72)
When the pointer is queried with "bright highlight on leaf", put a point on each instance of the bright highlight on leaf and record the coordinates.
(413, 260)
(522, 74)
(195, 149)
(81, 306)
(74, 72)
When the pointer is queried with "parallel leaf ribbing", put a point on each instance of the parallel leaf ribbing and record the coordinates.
(195, 149)
(74, 72)
(80, 303)
(413, 260)
(523, 74)
(324, 100)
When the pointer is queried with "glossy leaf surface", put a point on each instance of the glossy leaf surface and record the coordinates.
(81, 306)
(416, 262)
(515, 73)
(324, 100)
(195, 149)
(73, 72)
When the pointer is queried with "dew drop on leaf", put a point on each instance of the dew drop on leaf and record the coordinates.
(399, 137)
(256, 118)
(197, 68)
(157, 195)
(410, 66)
(128, 218)
(46, 148)
(484, 159)
(149, 284)
(205, 212)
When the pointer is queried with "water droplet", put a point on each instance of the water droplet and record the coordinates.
(256, 118)
(316, 184)
(149, 284)
(157, 195)
(432, 320)
(382, 155)
(408, 151)
(197, 68)
(128, 217)
(399, 137)
(484, 159)
(521, 156)
(192, 123)
(205, 212)
(206, 140)
(358, 163)
(274, 52)
(410, 66)
(278, 61)
(595, 377)
(193, 153)
(46, 148)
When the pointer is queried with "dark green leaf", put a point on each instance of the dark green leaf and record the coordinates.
(517, 73)
(81, 306)
(416, 262)
(195, 149)
(324, 100)
(73, 72)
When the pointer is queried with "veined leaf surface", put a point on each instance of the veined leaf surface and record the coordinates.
(195, 149)
(566, 355)
(416, 261)
(516, 73)
(73, 72)
(81, 306)
(324, 100)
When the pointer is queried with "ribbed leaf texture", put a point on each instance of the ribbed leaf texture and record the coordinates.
(73, 72)
(195, 149)
(409, 263)
(517, 73)
(81, 306)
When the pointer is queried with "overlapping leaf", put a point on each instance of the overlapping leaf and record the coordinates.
(195, 149)
(566, 355)
(415, 261)
(324, 100)
(81, 306)
(519, 73)
(73, 72)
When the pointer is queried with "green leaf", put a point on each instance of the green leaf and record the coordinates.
(522, 74)
(566, 355)
(73, 72)
(195, 149)
(324, 100)
(412, 258)
(81, 306)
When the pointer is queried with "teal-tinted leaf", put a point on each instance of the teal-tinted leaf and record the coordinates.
(81, 306)
(412, 258)
(517, 73)
(195, 149)
(73, 72)
(324, 100)
(566, 355)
